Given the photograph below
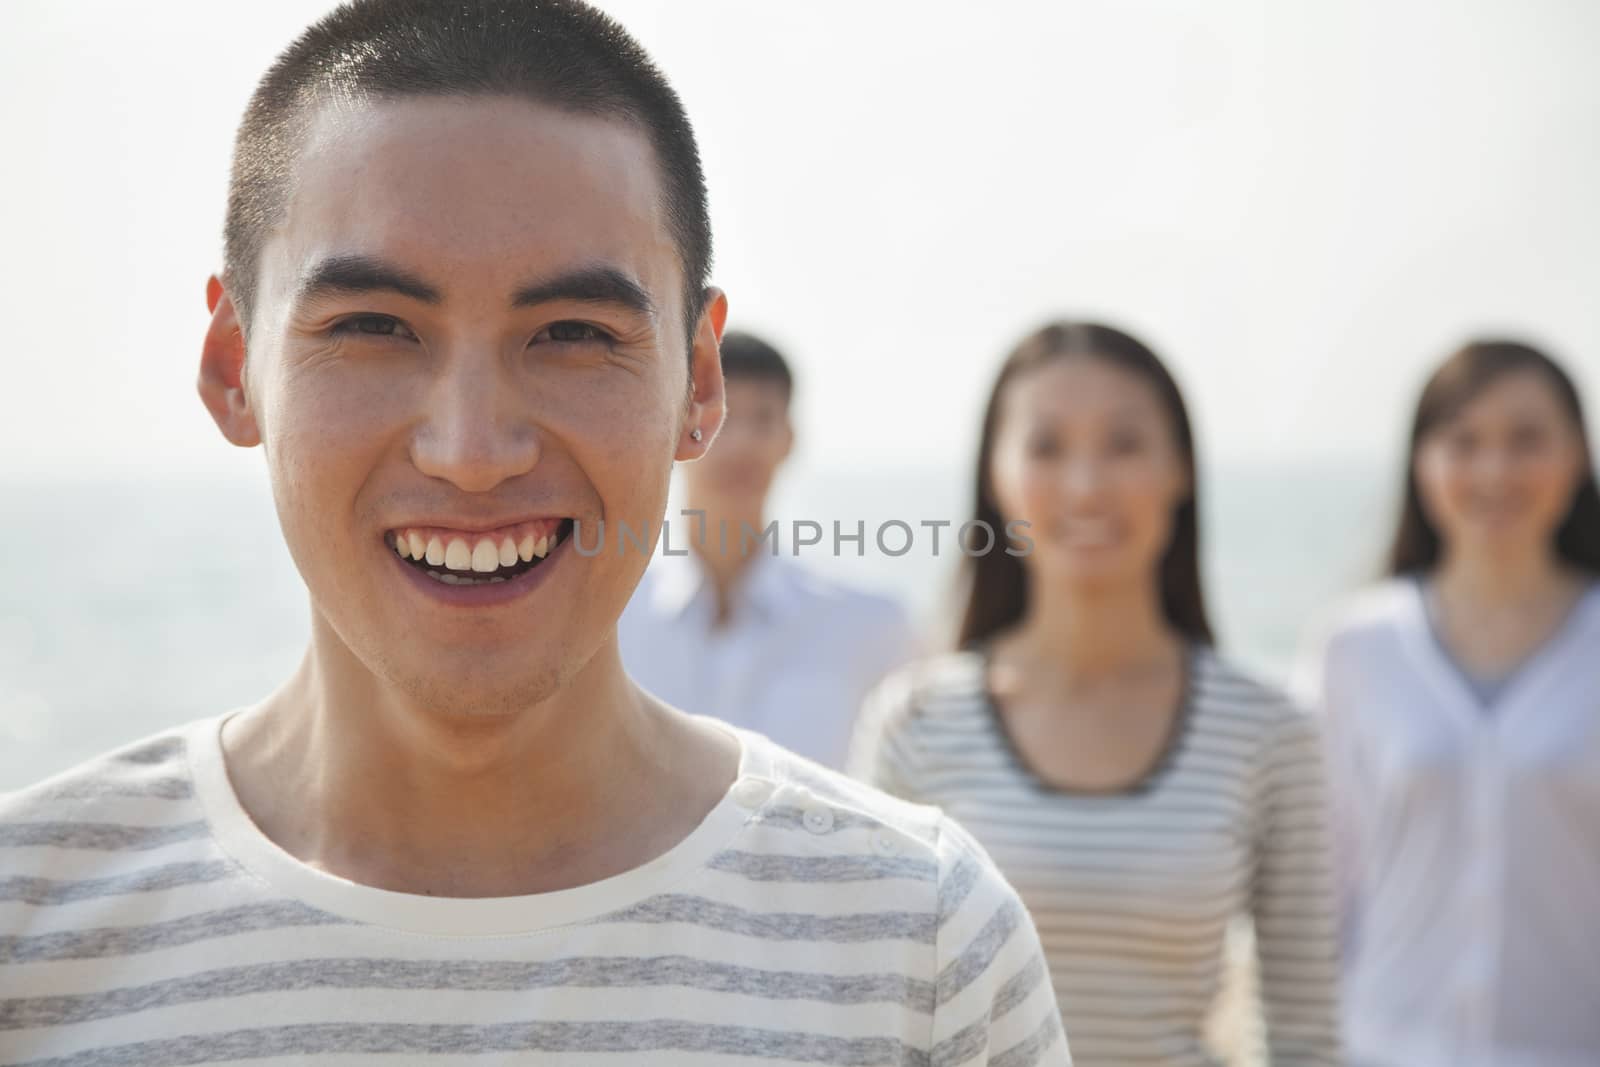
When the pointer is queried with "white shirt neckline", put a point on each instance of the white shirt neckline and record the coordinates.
(1539, 669)
(528, 914)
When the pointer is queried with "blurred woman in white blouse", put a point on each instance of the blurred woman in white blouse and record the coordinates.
(1462, 702)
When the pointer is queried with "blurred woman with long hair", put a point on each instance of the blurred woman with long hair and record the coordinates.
(1462, 707)
(1138, 790)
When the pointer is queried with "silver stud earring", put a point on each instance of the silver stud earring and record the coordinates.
(696, 434)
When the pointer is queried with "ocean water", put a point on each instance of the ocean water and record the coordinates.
(129, 606)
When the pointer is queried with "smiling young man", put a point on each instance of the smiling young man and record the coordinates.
(464, 314)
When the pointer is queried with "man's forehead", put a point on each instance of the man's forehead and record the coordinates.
(436, 117)
(476, 187)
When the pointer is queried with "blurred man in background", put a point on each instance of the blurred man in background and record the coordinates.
(735, 629)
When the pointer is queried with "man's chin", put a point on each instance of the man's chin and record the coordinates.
(476, 690)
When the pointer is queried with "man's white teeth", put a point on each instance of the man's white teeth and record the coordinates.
(468, 555)
(486, 557)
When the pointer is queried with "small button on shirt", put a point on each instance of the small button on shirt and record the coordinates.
(793, 661)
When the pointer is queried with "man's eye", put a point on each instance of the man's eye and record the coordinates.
(572, 332)
(374, 326)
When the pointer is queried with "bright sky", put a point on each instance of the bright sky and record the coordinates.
(1301, 206)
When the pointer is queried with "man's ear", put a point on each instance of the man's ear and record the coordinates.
(707, 402)
(221, 382)
(788, 430)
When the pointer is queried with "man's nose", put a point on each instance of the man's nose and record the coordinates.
(478, 429)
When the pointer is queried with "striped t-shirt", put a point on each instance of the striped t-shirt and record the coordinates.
(145, 920)
(1133, 892)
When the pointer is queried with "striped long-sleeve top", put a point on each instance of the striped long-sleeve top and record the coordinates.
(145, 920)
(1133, 892)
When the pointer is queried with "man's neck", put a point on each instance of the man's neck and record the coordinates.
(351, 777)
(727, 561)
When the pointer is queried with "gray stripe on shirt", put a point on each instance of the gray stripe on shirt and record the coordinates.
(1017, 988)
(957, 885)
(104, 941)
(655, 1036)
(779, 926)
(157, 751)
(165, 788)
(377, 973)
(1031, 1050)
(972, 1042)
(976, 957)
(777, 868)
(43, 891)
(106, 836)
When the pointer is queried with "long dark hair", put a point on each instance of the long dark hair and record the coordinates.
(995, 584)
(1460, 380)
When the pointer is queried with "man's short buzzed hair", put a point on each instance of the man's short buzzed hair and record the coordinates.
(560, 53)
(747, 357)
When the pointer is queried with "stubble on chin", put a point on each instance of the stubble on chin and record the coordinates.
(475, 691)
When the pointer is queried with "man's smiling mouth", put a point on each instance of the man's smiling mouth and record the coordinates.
(485, 557)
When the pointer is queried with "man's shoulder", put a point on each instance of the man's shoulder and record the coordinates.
(824, 787)
(101, 833)
(99, 789)
(888, 826)
(987, 977)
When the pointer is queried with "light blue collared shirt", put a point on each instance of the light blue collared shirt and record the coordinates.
(793, 661)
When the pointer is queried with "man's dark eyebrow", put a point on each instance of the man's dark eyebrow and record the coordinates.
(591, 285)
(361, 274)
